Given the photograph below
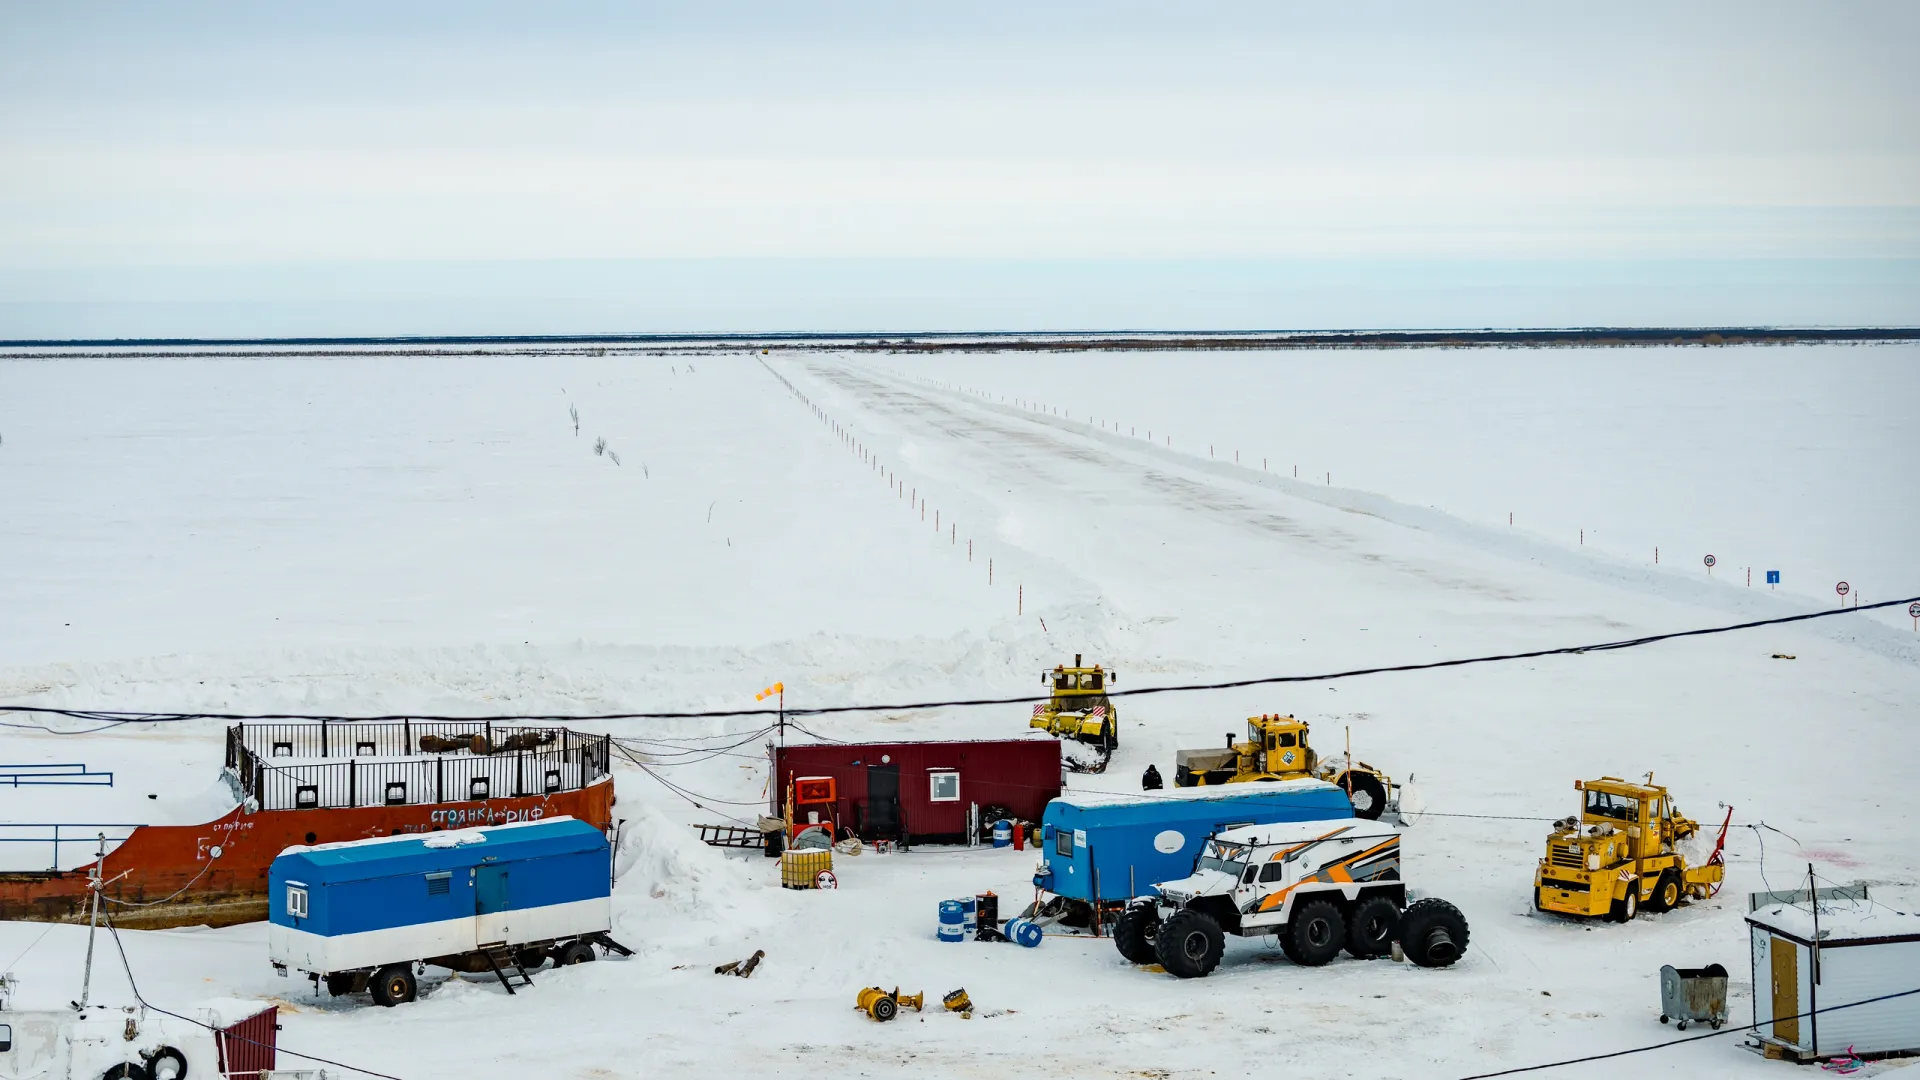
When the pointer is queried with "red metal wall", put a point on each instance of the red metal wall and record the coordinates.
(249, 1046)
(1019, 774)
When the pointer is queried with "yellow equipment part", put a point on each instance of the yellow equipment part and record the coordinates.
(1277, 748)
(883, 1005)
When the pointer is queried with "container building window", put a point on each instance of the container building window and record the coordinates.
(297, 901)
(943, 786)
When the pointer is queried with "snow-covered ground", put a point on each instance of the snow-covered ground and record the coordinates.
(377, 535)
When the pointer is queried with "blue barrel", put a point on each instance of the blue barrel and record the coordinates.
(969, 913)
(1024, 932)
(1003, 833)
(952, 914)
(952, 932)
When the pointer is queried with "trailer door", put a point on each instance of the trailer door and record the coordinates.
(490, 904)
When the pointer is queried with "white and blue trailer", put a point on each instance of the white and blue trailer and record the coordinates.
(361, 915)
(1108, 847)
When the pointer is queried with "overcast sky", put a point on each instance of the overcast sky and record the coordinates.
(153, 137)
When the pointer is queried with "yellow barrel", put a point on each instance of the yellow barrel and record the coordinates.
(801, 869)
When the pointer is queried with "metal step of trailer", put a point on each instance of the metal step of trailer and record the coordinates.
(505, 965)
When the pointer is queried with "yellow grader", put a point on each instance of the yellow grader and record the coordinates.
(1621, 854)
(1078, 708)
(1276, 748)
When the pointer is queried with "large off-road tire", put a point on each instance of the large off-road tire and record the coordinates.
(1666, 892)
(574, 952)
(1189, 944)
(1134, 934)
(1369, 794)
(1627, 907)
(1110, 736)
(394, 985)
(1433, 933)
(126, 1070)
(340, 983)
(1315, 933)
(1371, 926)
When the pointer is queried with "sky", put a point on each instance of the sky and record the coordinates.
(447, 168)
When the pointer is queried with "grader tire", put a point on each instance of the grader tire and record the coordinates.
(1369, 795)
(1626, 908)
(1134, 934)
(1433, 933)
(1189, 945)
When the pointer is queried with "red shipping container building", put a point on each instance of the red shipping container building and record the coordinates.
(921, 791)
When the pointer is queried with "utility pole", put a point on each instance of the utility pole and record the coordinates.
(93, 920)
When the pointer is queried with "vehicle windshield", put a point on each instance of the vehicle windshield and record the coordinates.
(1218, 856)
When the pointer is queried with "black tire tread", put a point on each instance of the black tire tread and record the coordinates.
(1134, 934)
(1420, 918)
(1309, 912)
(1365, 911)
(1169, 944)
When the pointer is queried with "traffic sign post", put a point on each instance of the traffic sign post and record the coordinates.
(1843, 589)
(1710, 560)
(1913, 609)
(1773, 578)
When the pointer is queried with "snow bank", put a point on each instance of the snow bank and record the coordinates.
(454, 839)
(660, 859)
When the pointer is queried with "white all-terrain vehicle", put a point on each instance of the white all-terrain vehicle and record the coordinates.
(1317, 885)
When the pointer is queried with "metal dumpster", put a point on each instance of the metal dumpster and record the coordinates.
(1693, 994)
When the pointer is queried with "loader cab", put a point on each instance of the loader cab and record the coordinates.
(1280, 744)
(1644, 812)
(1078, 682)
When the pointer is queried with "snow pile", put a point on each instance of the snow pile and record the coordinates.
(454, 839)
(660, 859)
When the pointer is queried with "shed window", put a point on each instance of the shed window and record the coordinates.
(440, 884)
(943, 786)
(297, 901)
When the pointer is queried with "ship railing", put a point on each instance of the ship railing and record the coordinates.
(56, 846)
(569, 762)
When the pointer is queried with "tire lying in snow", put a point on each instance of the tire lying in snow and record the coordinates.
(1433, 933)
(1369, 795)
(1134, 934)
(1189, 944)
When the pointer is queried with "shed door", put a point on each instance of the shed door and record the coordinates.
(490, 889)
(882, 818)
(1786, 990)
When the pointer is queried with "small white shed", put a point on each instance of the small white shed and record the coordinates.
(1813, 954)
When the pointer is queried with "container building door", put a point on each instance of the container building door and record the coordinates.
(882, 819)
(1786, 990)
(490, 904)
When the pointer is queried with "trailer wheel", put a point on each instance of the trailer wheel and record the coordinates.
(575, 952)
(1135, 932)
(1433, 933)
(1666, 893)
(394, 985)
(166, 1063)
(1315, 933)
(531, 959)
(1370, 927)
(1369, 795)
(126, 1070)
(340, 983)
(1189, 944)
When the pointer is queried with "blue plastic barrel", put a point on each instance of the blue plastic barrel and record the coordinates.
(952, 932)
(969, 913)
(1024, 932)
(951, 913)
(1002, 833)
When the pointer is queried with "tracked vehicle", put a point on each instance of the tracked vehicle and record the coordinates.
(1276, 748)
(1079, 709)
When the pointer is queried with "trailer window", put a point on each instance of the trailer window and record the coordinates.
(296, 901)
(943, 787)
(1063, 842)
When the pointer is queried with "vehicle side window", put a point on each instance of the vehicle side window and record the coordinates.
(1286, 738)
(1063, 682)
(1094, 680)
(1272, 871)
(1247, 878)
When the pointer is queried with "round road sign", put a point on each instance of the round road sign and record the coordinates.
(1913, 609)
(1843, 588)
(1711, 560)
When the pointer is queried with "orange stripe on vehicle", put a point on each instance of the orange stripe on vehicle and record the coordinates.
(1284, 852)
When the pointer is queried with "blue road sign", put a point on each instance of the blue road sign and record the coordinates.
(1773, 577)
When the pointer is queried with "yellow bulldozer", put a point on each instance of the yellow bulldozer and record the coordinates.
(1078, 708)
(1621, 854)
(1276, 748)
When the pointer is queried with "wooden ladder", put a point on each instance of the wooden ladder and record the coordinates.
(505, 964)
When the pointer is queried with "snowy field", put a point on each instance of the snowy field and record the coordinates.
(358, 535)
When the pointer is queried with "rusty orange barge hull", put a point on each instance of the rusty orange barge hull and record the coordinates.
(159, 861)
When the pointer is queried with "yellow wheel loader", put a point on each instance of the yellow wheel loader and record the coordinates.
(1276, 748)
(1621, 854)
(1078, 708)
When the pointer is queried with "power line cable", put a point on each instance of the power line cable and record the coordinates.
(1682, 1041)
(120, 717)
(137, 996)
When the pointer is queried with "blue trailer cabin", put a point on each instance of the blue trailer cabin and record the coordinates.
(393, 900)
(1128, 841)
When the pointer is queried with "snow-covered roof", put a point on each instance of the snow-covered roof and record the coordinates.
(440, 839)
(1840, 920)
(1292, 832)
(1189, 794)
